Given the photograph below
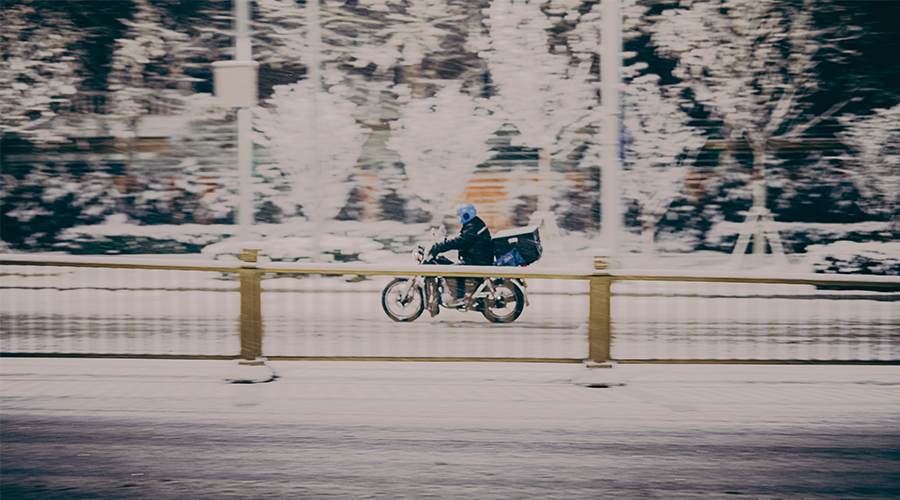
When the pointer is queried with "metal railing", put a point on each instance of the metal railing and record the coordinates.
(123, 307)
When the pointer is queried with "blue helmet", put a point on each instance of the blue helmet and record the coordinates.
(466, 212)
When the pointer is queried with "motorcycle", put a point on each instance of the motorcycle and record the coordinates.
(500, 300)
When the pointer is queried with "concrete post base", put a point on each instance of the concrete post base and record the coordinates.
(251, 371)
(595, 374)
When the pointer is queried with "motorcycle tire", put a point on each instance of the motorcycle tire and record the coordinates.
(508, 305)
(394, 305)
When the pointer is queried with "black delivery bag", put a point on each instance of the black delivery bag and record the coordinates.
(523, 243)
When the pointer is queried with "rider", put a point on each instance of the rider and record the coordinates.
(474, 245)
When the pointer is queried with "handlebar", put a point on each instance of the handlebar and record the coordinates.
(424, 257)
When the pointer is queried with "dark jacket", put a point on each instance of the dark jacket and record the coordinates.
(473, 243)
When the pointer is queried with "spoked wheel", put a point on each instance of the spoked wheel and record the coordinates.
(400, 303)
(507, 304)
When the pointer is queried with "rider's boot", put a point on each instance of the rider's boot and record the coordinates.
(446, 298)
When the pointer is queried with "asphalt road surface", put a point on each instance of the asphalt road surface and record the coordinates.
(109, 458)
(75, 429)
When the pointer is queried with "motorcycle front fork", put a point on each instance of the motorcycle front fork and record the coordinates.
(411, 287)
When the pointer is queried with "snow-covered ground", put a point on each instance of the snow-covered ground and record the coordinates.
(379, 242)
(174, 429)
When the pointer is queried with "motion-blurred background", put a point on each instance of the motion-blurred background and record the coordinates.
(113, 142)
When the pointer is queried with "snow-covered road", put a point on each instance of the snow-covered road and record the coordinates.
(149, 429)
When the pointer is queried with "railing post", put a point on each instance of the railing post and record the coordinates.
(599, 365)
(600, 321)
(251, 307)
(250, 324)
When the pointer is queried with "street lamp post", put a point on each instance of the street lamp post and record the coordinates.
(610, 77)
(243, 52)
(314, 39)
(236, 86)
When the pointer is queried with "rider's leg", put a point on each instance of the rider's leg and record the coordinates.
(456, 292)
(449, 291)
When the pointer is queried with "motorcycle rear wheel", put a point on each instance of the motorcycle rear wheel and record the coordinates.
(398, 308)
(508, 305)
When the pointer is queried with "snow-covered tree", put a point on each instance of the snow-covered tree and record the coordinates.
(365, 46)
(659, 144)
(36, 206)
(148, 68)
(754, 64)
(416, 35)
(543, 93)
(282, 30)
(875, 167)
(584, 40)
(441, 140)
(320, 187)
(41, 69)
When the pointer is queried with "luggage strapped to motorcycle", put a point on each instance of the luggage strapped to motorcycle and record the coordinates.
(517, 246)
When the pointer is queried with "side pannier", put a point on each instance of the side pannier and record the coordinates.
(517, 246)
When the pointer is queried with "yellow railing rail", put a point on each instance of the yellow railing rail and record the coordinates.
(601, 280)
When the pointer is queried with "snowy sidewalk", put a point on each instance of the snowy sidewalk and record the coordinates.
(187, 388)
(176, 429)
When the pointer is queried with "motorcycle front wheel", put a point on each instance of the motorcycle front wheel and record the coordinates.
(399, 305)
(507, 304)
